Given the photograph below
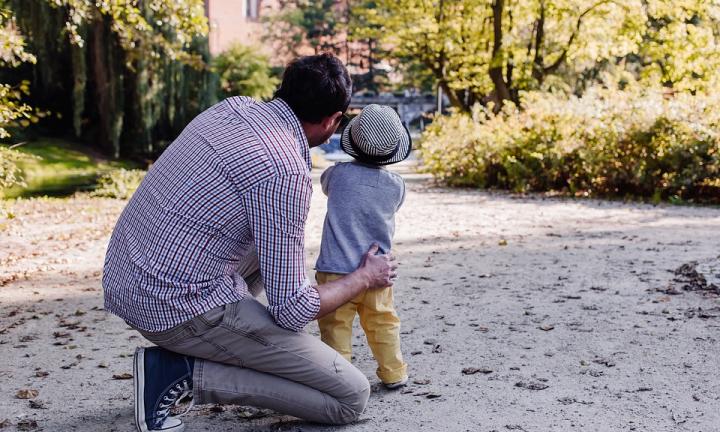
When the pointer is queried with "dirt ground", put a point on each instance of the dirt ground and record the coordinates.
(519, 314)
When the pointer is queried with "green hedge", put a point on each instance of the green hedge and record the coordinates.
(607, 143)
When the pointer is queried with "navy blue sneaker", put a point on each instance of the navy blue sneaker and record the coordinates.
(162, 380)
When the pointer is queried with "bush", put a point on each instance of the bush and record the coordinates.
(10, 173)
(243, 71)
(120, 183)
(607, 143)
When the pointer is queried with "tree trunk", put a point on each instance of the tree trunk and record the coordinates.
(502, 92)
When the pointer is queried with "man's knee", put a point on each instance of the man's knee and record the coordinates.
(354, 405)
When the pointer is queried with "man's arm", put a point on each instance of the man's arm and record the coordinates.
(277, 211)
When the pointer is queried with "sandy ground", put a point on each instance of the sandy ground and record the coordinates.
(568, 311)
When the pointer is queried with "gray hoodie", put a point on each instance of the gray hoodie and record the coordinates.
(362, 201)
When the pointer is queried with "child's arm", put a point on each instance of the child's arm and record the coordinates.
(402, 196)
(325, 179)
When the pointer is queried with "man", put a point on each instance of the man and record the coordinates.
(233, 186)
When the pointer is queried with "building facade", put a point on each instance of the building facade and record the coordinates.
(233, 21)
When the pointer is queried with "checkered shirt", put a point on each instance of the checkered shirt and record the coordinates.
(237, 178)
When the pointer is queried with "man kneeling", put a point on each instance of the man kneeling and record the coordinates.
(222, 209)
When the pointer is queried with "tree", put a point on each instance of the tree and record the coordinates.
(301, 25)
(13, 111)
(481, 50)
(243, 71)
(681, 44)
(135, 71)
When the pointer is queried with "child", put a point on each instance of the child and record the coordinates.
(362, 200)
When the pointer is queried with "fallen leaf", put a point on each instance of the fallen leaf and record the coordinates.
(27, 394)
(122, 376)
(26, 425)
(474, 370)
(531, 385)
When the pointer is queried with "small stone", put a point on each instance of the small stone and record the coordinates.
(27, 425)
(36, 404)
(430, 341)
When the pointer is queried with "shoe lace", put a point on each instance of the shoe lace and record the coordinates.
(174, 396)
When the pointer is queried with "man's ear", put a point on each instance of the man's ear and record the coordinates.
(332, 121)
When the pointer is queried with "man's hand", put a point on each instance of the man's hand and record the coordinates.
(375, 272)
(380, 270)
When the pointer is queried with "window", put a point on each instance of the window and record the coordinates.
(252, 9)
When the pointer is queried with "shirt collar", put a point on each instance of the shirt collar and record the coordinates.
(287, 115)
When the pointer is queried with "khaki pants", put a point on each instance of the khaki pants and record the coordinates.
(381, 325)
(244, 358)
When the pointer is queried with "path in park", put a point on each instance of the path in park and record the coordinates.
(519, 313)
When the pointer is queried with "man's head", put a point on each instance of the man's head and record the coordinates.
(318, 90)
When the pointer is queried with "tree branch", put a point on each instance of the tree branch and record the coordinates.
(557, 63)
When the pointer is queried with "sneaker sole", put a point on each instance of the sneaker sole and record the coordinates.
(139, 382)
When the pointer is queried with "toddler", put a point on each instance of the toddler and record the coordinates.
(363, 198)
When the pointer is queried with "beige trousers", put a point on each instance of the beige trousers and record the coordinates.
(244, 358)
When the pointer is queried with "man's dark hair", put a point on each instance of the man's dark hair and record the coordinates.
(316, 87)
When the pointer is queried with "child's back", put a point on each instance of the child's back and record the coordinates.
(362, 202)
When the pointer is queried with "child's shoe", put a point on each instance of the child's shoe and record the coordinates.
(396, 385)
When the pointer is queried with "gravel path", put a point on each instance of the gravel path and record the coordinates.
(519, 313)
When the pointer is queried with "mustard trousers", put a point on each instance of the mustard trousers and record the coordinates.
(381, 325)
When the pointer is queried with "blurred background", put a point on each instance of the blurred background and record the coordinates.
(581, 97)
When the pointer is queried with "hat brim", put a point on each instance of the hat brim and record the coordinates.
(405, 145)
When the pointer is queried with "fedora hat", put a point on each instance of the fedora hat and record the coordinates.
(376, 136)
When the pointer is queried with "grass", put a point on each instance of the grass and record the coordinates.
(56, 167)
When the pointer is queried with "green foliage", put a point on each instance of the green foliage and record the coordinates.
(13, 111)
(126, 75)
(153, 28)
(119, 183)
(10, 173)
(480, 50)
(607, 143)
(243, 71)
(54, 167)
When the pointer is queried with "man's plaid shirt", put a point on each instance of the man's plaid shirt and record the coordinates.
(236, 178)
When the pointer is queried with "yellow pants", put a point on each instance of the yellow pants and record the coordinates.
(381, 325)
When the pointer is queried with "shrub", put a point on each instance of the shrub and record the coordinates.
(243, 71)
(607, 143)
(119, 183)
(10, 173)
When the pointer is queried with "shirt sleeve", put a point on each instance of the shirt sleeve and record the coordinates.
(402, 196)
(277, 210)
